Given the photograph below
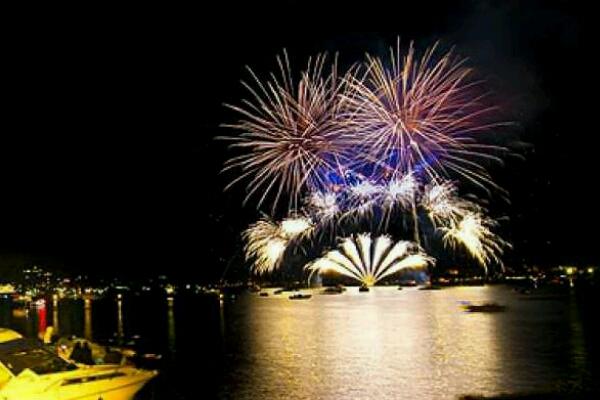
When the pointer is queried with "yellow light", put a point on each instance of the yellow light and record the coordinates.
(590, 271)
(571, 271)
(369, 280)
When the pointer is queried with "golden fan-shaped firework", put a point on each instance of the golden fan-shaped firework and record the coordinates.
(370, 260)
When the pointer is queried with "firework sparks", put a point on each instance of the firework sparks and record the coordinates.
(421, 115)
(474, 234)
(324, 204)
(401, 191)
(265, 245)
(443, 205)
(291, 133)
(267, 241)
(365, 190)
(292, 228)
(370, 260)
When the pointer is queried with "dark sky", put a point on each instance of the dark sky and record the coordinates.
(108, 160)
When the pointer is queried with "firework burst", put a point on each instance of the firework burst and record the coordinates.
(421, 115)
(473, 232)
(264, 245)
(291, 136)
(370, 260)
(443, 205)
(324, 205)
(267, 241)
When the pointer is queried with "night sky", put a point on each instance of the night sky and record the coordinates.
(108, 160)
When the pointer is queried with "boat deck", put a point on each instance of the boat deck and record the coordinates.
(21, 354)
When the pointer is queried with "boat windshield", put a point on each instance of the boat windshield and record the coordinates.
(21, 354)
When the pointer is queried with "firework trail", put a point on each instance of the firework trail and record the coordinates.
(370, 260)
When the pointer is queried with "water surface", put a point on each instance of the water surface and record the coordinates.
(386, 344)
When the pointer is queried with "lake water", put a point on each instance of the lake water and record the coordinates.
(386, 344)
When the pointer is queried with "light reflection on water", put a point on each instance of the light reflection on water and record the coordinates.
(410, 344)
(87, 324)
(386, 344)
(171, 326)
(381, 345)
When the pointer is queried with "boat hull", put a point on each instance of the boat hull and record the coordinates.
(113, 389)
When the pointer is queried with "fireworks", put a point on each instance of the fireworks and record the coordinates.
(293, 227)
(473, 233)
(376, 143)
(443, 205)
(264, 245)
(291, 133)
(369, 261)
(267, 241)
(420, 115)
(324, 205)
(401, 191)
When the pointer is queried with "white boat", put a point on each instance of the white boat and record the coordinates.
(31, 371)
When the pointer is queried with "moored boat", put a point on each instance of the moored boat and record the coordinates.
(484, 308)
(333, 290)
(31, 371)
(300, 296)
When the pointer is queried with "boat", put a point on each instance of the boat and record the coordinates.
(6, 291)
(411, 283)
(333, 290)
(430, 287)
(364, 289)
(484, 308)
(300, 296)
(254, 289)
(32, 371)
(278, 292)
(264, 294)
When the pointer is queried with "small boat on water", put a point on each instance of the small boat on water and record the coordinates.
(300, 296)
(484, 308)
(264, 294)
(364, 289)
(30, 370)
(430, 287)
(278, 292)
(254, 289)
(333, 290)
(410, 283)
